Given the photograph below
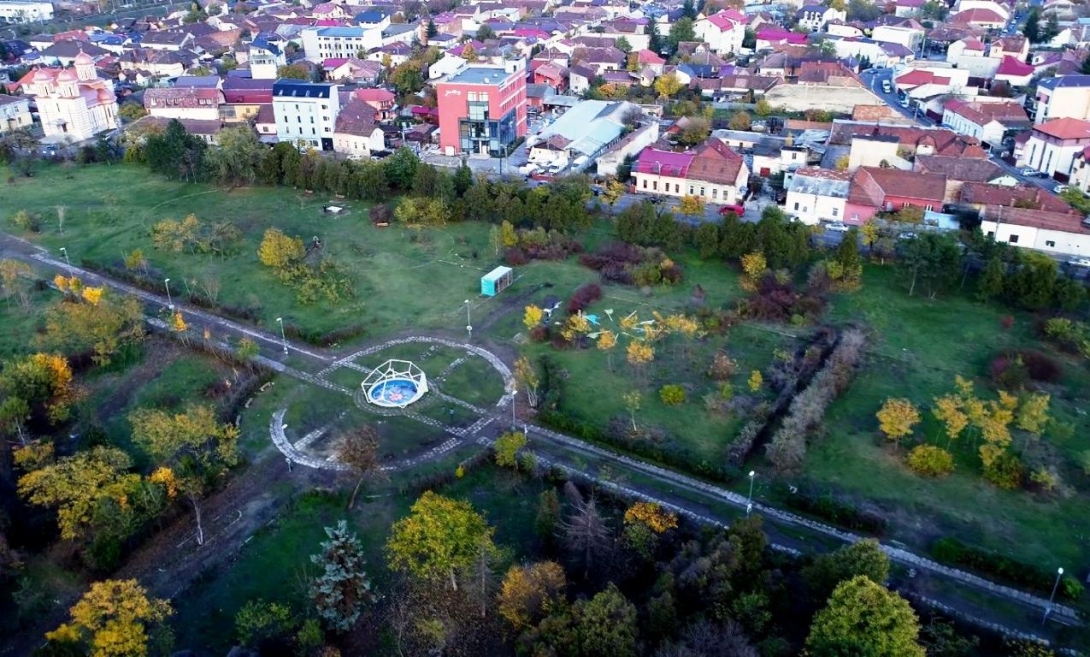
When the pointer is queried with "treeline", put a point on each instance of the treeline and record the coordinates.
(240, 159)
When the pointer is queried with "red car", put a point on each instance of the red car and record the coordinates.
(738, 210)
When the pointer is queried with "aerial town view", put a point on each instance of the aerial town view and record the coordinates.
(544, 328)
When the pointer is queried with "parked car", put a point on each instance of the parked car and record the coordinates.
(1029, 173)
(738, 210)
(907, 235)
(1079, 262)
(1060, 189)
(886, 87)
(837, 227)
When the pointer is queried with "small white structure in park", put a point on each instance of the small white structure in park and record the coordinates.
(395, 384)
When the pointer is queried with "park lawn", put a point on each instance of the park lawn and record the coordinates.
(917, 348)
(403, 278)
(474, 380)
(20, 326)
(275, 565)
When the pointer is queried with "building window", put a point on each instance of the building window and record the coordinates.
(655, 185)
(1013, 239)
(1050, 244)
(645, 183)
(690, 190)
(836, 211)
(701, 191)
(715, 193)
(677, 188)
(796, 207)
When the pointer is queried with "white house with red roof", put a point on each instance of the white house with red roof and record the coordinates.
(986, 121)
(1000, 7)
(723, 32)
(714, 172)
(1053, 146)
(982, 18)
(967, 47)
(1014, 72)
(74, 104)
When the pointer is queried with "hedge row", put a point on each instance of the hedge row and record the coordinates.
(955, 553)
(828, 508)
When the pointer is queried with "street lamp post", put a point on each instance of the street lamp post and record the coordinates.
(1051, 598)
(749, 500)
(469, 321)
(283, 337)
(66, 260)
(514, 421)
(170, 301)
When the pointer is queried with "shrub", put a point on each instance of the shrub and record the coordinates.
(722, 367)
(515, 257)
(583, 297)
(1009, 372)
(1040, 366)
(930, 461)
(1005, 472)
(1006, 322)
(672, 394)
(955, 553)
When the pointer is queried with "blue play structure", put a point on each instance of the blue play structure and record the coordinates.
(496, 281)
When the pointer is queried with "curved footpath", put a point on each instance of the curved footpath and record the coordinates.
(554, 449)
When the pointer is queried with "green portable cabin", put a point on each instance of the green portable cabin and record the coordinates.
(496, 281)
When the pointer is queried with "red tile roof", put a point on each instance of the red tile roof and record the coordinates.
(1065, 128)
(1011, 66)
(975, 193)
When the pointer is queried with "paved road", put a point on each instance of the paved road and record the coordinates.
(654, 483)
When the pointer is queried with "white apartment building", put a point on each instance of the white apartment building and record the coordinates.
(25, 11)
(816, 195)
(306, 113)
(14, 113)
(265, 59)
(320, 44)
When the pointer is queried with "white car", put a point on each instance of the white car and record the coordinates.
(1060, 189)
(1080, 262)
(837, 227)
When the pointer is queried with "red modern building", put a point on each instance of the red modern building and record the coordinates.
(482, 109)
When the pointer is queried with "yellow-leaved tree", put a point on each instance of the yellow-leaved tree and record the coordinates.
(948, 410)
(896, 419)
(527, 378)
(532, 316)
(652, 516)
(756, 380)
(279, 251)
(607, 340)
(438, 538)
(115, 618)
(529, 593)
(754, 266)
(194, 444)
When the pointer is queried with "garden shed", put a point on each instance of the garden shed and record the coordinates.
(496, 281)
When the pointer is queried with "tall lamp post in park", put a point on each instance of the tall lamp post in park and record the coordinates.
(1051, 598)
(749, 500)
(170, 301)
(66, 260)
(283, 337)
(514, 396)
(469, 321)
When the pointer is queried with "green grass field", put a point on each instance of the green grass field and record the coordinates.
(402, 279)
(917, 348)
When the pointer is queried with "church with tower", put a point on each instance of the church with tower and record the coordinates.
(74, 104)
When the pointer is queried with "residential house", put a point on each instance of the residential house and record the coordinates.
(645, 59)
(713, 172)
(357, 133)
(905, 36)
(814, 17)
(580, 79)
(14, 113)
(551, 75)
(306, 113)
(978, 18)
(723, 31)
(959, 172)
(629, 146)
(876, 189)
(842, 29)
(1014, 72)
(184, 103)
(25, 11)
(1009, 46)
(266, 58)
(980, 195)
(967, 47)
(206, 130)
(352, 70)
(773, 37)
(1040, 230)
(74, 104)
(630, 30)
(906, 8)
(601, 60)
(988, 122)
(1001, 7)
(382, 101)
(815, 195)
(64, 53)
(172, 40)
(1053, 146)
(911, 140)
(1062, 97)
(265, 124)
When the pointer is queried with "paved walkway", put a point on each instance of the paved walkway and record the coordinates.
(661, 479)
